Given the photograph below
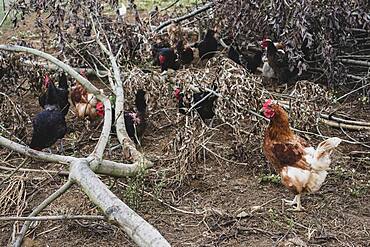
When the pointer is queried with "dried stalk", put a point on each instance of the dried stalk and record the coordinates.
(13, 172)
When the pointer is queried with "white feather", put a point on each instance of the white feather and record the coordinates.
(267, 71)
(123, 10)
(296, 175)
(319, 160)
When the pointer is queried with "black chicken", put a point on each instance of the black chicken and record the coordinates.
(48, 125)
(186, 54)
(251, 63)
(278, 60)
(61, 93)
(208, 46)
(164, 56)
(203, 102)
(135, 122)
(234, 55)
(167, 59)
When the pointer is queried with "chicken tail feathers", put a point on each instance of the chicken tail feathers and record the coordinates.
(140, 101)
(327, 146)
(321, 156)
(63, 83)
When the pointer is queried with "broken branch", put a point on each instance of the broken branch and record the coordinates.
(181, 18)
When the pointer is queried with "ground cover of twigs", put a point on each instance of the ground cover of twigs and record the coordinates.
(210, 185)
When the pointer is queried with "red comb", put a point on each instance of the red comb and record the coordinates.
(162, 59)
(99, 106)
(267, 103)
(46, 80)
(99, 109)
(176, 93)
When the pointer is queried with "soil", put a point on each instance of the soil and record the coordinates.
(220, 203)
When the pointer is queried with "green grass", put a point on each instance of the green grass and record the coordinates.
(2, 13)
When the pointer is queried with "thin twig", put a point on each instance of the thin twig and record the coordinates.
(64, 173)
(5, 16)
(38, 209)
(56, 217)
(353, 91)
(14, 171)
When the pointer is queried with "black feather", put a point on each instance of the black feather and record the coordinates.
(186, 55)
(208, 46)
(136, 129)
(234, 55)
(204, 108)
(252, 63)
(48, 126)
(56, 96)
(170, 59)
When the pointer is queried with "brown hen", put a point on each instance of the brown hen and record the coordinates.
(302, 168)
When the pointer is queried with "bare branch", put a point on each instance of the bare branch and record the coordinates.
(344, 126)
(181, 18)
(58, 217)
(38, 209)
(87, 71)
(33, 153)
(122, 135)
(116, 211)
(112, 168)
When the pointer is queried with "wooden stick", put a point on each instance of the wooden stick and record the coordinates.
(344, 126)
(54, 67)
(355, 77)
(181, 18)
(38, 209)
(5, 16)
(355, 62)
(139, 230)
(357, 89)
(341, 120)
(63, 173)
(57, 217)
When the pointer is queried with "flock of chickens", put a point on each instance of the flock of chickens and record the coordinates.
(49, 125)
(302, 167)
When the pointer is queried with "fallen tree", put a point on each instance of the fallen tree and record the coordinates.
(82, 169)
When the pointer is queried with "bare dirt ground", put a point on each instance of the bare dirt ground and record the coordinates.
(221, 203)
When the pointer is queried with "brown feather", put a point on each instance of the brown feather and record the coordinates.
(281, 146)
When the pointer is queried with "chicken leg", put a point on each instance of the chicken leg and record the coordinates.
(296, 201)
(61, 148)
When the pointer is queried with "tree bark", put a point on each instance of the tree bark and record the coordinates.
(116, 211)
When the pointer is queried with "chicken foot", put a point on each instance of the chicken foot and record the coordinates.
(296, 201)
